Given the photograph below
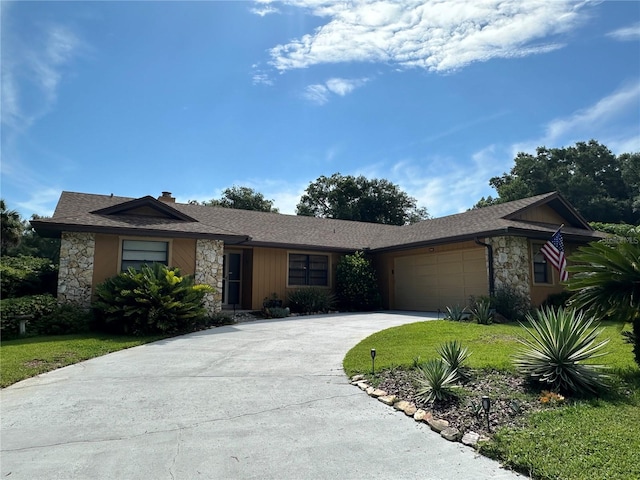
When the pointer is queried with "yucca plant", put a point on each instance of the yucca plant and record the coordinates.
(606, 279)
(435, 380)
(556, 349)
(456, 313)
(454, 355)
(482, 312)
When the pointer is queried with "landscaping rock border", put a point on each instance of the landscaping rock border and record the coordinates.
(438, 425)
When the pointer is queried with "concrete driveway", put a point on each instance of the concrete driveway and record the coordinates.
(263, 400)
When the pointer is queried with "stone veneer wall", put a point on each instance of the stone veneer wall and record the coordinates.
(511, 264)
(76, 268)
(209, 261)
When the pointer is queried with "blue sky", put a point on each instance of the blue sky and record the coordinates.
(135, 98)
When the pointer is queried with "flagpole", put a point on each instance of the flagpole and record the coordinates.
(559, 228)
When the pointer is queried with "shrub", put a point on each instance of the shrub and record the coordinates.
(26, 275)
(63, 320)
(155, 299)
(556, 349)
(311, 300)
(482, 312)
(556, 300)
(276, 312)
(219, 319)
(11, 309)
(457, 313)
(356, 284)
(435, 381)
(509, 303)
(454, 356)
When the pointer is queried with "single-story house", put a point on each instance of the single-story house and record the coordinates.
(247, 255)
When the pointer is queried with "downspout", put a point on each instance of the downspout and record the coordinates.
(492, 282)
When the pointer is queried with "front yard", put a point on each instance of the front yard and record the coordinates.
(577, 438)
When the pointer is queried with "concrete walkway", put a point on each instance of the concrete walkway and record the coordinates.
(257, 400)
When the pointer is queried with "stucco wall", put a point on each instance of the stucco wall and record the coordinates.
(511, 264)
(76, 268)
(209, 261)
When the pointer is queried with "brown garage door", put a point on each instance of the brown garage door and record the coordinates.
(432, 281)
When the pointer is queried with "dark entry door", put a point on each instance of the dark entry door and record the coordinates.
(232, 269)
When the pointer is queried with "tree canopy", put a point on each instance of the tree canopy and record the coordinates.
(12, 227)
(359, 199)
(602, 186)
(243, 198)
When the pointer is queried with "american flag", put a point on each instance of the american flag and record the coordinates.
(553, 250)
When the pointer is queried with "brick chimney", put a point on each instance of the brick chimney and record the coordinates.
(167, 198)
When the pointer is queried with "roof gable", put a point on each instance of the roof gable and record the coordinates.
(145, 206)
(550, 209)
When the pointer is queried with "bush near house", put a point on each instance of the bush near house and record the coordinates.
(27, 275)
(35, 306)
(356, 284)
(311, 300)
(155, 299)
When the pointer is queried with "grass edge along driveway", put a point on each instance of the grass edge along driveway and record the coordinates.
(583, 439)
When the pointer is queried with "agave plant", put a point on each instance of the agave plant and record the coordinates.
(556, 349)
(436, 381)
(454, 355)
(456, 313)
(482, 312)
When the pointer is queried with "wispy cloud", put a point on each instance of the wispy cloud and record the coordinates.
(321, 93)
(626, 34)
(595, 122)
(435, 35)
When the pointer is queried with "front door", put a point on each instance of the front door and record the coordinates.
(231, 275)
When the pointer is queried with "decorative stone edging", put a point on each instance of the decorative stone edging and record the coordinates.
(438, 425)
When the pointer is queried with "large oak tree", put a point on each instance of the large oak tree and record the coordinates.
(602, 186)
(243, 198)
(359, 199)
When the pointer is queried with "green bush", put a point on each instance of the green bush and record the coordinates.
(556, 300)
(63, 320)
(275, 312)
(311, 300)
(36, 306)
(481, 312)
(356, 284)
(510, 304)
(26, 275)
(155, 299)
(556, 349)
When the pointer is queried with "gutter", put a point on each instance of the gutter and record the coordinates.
(492, 282)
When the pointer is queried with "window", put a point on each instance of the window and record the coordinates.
(541, 271)
(310, 270)
(136, 253)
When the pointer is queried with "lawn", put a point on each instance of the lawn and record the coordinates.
(26, 357)
(585, 439)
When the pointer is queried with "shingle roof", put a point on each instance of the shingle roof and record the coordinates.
(74, 213)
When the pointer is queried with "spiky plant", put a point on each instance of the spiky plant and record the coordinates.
(435, 381)
(606, 280)
(557, 346)
(454, 355)
(482, 312)
(456, 313)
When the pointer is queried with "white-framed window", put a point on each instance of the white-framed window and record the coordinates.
(308, 270)
(542, 271)
(136, 253)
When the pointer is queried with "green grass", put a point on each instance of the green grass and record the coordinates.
(26, 357)
(586, 439)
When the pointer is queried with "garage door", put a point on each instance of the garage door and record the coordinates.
(432, 281)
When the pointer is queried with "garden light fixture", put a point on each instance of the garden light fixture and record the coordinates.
(373, 361)
(486, 406)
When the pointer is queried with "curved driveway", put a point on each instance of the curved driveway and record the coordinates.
(256, 400)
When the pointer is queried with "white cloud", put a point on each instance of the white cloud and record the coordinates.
(626, 34)
(321, 93)
(41, 202)
(437, 35)
(595, 122)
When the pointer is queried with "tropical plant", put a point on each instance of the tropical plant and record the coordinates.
(482, 312)
(454, 355)
(457, 313)
(606, 282)
(32, 306)
(435, 381)
(154, 299)
(557, 347)
(311, 300)
(12, 227)
(356, 284)
(26, 275)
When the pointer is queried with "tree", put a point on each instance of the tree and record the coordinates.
(600, 185)
(12, 228)
(243, 198)
(606, 280)
(359, 199)
(356, 283)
